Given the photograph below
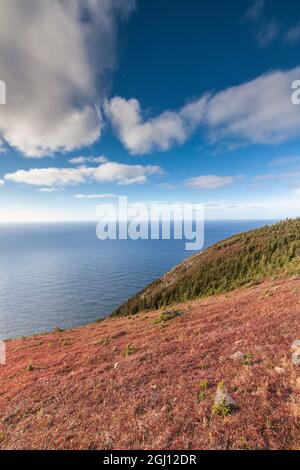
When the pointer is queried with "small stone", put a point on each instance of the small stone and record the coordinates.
(295, 345)
(222, 397)
(238, 356)
(296, 357)
(116, 365)
(280, 370)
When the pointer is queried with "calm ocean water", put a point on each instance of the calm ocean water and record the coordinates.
(62, 275)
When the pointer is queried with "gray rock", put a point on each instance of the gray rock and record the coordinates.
(280, 370)
(222, 397)
(238, 356)
(295, 345)
(296, 357)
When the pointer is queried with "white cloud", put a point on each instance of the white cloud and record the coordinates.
(54, 56)
(2, 183)
(95, 196)
(141, 137)
(257, 112)
(210, 182)
(83, 160)
(47, 190)
(160, 133)
(107, 173)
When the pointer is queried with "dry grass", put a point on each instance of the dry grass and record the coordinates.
(83, 392)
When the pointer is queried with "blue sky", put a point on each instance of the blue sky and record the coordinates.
(190, 103)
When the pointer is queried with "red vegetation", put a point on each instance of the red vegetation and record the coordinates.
(78, 389)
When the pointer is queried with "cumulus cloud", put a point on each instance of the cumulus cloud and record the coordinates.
(54, 57)
(160, 133)
(257, 112)
(139, 136)
(83, 160)
(107, 173)
(2, 182)
(210, 182)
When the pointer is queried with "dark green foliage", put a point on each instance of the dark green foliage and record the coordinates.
(129, 350)
(248, 360)
(221, 409)
(242, 260)
(165, 317)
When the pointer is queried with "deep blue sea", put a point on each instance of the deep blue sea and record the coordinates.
(62, 275)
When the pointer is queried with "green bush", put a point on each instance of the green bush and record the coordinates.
(129, 350)
(166, 317)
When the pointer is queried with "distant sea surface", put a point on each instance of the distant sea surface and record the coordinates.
(62, 275)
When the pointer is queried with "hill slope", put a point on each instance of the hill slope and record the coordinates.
(241, 260)
(138, 383)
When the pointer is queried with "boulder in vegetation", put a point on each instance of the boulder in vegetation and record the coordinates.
(295, 345)
(296, 352)
(296, 357)
(224, 404)
(238, 356)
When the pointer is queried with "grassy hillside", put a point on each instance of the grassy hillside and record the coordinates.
(244, 259)
(140, 383)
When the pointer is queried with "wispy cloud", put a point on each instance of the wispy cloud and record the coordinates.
(278, 176)
(264, 30)
(255, 10)
(47, 190)
(83, 160)
(96, 196)
(210, 182)
(268, 32)
(285, 161)
(107, 173)
(293, 34)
